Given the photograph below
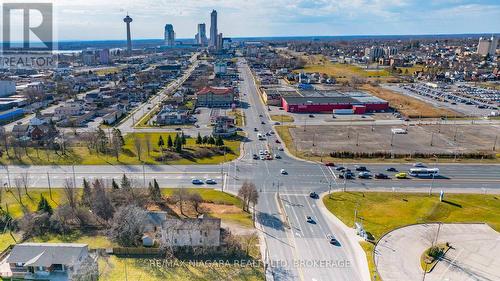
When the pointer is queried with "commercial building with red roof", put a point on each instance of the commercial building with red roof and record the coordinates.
(215, 97)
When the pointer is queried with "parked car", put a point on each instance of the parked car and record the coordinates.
(361, 168)
(364, 175)
(281, 149)
(340, 168)
(381, 176)
(262, 122)
(197, 181)
(283, 172)
(255, 157)
(255, 129)
(330, 164)
(391, 169)
(419, 165)
(277, 156)
(311, 116)
(210, 181)
(278, 141)
(277, 123)
(401, 176)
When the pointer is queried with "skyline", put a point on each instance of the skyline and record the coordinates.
(277, 19)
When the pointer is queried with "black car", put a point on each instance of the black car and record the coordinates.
(262, 122)
(255, 157)
(391, 169)
(313, 195)
(346, 175)
(255, 129)
(361, 168)
(381, 176)
(340, 168)
(311, 116)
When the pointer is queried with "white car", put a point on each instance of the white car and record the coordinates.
(210, 181)
(261, 152)
(283, 172)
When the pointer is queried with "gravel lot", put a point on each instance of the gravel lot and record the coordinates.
(446, 138)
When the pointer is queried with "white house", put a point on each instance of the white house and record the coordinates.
(50, 261)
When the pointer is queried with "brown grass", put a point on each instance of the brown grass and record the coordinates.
(409, 106)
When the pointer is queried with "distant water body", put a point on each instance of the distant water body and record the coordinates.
(152, 43)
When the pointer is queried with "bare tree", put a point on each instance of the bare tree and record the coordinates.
(101, 203)
(25, 178)
(248, 241)
(180, 196)
(138, 147)
(196, 201)
(248, 194)
(18, 183)
(128, 226)
(70, 194)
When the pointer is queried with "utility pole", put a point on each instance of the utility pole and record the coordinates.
(50, 189)
(495, 143)
(143, 176)
(357, 139)
(432, 139)
(8, 175)
(74, 176)
(392, 139)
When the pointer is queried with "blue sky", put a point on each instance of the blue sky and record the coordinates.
(102, 19)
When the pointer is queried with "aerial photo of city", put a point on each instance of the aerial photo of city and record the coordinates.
(235, 140)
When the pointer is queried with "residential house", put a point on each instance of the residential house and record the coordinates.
(203, 231)
(50, 261)
(171, 115)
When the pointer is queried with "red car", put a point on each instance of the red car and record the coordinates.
(330, 164)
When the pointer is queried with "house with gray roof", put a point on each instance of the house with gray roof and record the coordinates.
(50, 261)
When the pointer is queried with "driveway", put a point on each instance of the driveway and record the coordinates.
(473, 255)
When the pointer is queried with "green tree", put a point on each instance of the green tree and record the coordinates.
(205, 140)
(126, 183)
(178, 145)
(154, 191)
(199, 140)
(211, 140)
(114, 185)
(183, 139)
(102, 140)
(161, 143)
(117, 142)
(170, 144)
(219, 141)
(44, 206)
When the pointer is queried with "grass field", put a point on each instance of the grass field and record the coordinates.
(346, 71)
(409, 106)
(282, 118)
(80, 155)
(382, 212)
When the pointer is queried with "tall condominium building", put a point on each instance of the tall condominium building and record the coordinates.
(218, 46)
(487, 46)
(213, 29)
(169, 35)
(374, 53)
(390, 51)
(201, 36)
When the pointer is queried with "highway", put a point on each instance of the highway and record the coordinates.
(295, 249)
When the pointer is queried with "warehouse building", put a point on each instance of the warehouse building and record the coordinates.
(328, 101)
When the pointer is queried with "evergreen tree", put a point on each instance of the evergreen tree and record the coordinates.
(154, 191)
(44, 206)
(205, 140)
(126, 183)
(161, 143)
(114, 185)
(199, 140)
(178, 145)
(183, 139)
(86, 194)
(211, 140)
(219, 141)
(102, 140)
(170, 144)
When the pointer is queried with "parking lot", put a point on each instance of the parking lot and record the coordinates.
(465, 99)
(445, 138)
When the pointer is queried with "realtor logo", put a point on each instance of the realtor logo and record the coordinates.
(27, 35)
